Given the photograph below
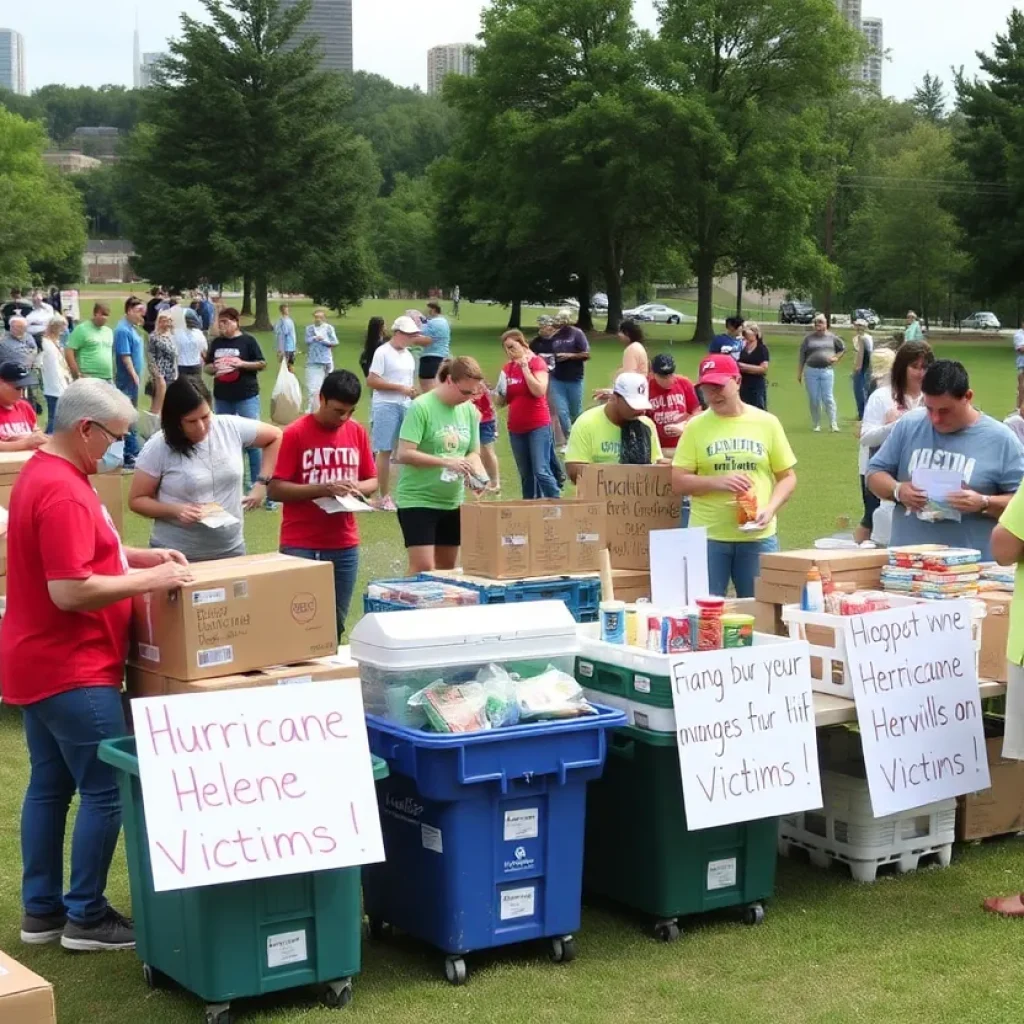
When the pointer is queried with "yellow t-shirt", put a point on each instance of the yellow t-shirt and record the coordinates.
(1012, 519)
(596, 440)
(753, 443)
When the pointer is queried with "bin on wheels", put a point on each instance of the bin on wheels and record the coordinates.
(640, 853)
(242, 939)
(483, 834)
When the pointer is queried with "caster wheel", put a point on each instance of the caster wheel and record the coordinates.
(152, 977)
(455, 970)
(337, 995)
(666, 931)
(376, 929)
(563, 951)
(754, 914)
(218, 1015)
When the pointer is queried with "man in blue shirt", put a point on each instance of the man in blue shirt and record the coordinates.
(730, 343)
(129, 361)
(439, 331)
(207, 311)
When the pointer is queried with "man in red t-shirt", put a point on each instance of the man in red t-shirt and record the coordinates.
(18, 430)
(673, 401)
(62, 652)
(326, 456)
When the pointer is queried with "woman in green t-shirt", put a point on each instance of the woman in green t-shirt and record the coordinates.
(438, 449)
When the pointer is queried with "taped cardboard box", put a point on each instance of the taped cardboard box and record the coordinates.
(637, 499)
(237, 615)
(995, 632)
(998, 810)
(25, 998)
(631, 585)
(522, 539)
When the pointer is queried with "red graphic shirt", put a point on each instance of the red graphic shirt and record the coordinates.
(17, 420)
(671, 405)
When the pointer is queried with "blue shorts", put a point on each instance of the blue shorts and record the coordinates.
(387, 422)
(489, 432)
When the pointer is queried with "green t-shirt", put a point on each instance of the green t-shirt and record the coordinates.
(1012, 519)
(595, 440)
(448, 431)
(94, 349)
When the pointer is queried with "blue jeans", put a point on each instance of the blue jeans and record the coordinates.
(51, 411)
(861, 380)
(532, 452)
(130, 390)
(346, 568)
(249, 409)
(820, 383)
(62, 734)
(568, 400)
(739, 561)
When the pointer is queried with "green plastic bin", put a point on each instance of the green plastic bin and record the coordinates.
(215, 941)
(640, 853)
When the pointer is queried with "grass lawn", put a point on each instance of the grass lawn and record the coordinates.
(915, 947)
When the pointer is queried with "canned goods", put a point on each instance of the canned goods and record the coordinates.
(737, 630)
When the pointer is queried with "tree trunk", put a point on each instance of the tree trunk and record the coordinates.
(830, 246)
(262, 288)
(247, 296)
(613, 287)
(585, 320)
(515, 315)
(739, 293)
(705, 330)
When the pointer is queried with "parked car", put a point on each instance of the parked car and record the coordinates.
(796, 313)
(599, 303)
(655, 312)
(868, 315)
(981, 322)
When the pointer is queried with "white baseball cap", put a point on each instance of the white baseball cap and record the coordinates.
(405, 325)
(633, 388)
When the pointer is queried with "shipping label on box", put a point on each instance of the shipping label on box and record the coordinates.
(637, 499)
(496, 539)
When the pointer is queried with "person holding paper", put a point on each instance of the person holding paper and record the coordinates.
(188, 477)
(952, 455)
(62, 655)
(733, 458)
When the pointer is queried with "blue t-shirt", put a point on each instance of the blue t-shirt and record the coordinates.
(987, 454)
(727, 345)
(438, 330)
(128, 342)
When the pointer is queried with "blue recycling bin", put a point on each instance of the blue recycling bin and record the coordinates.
(483, 834)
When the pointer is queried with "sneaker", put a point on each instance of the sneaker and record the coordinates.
(835, 428)
(817, 430)
(112, 931)
(37, 931)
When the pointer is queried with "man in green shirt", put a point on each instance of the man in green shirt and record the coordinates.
(90, 349)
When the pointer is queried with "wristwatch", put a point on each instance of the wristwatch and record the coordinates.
(985, 502)
(264, 480)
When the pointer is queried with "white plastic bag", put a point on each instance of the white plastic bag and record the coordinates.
(286, 398)
(148, 424)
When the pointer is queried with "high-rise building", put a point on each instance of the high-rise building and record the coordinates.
(850, 10)
(872, 70)
(137, 56)
(331, 22)
(147, 67)
(12, 62)
(452, 59)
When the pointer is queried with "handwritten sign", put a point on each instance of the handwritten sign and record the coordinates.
(638, 499)
(256, 783)
(916, 686)
(745, 730)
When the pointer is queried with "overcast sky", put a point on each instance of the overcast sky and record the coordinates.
(67, 42)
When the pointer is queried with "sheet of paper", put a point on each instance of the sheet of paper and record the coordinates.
(345, 504)
(216, 520)
(938, 484)
(679, 567)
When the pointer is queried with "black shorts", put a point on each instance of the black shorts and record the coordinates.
(431, 527)
(429, 365)
(871, 503)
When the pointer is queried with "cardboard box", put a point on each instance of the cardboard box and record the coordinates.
(519, 539)
(998, 810)
(776, 593)
(862, 579)
(768, 619)
(143, 683)
(836, 561)
(237, 615)
(637, 499)
(11, 464)
(631, 585)
(109, 487)
(995, 631)
(25, 998)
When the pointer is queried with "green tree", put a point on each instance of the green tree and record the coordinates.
(242, 167)
(64, 108)
(43, 228)
(102, 194)
(930, 99)
(404, 230)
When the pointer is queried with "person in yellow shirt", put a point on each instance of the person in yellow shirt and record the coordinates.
(616, 432)
(729, 456)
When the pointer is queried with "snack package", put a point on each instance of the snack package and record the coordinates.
(552, 694)
(453, 708)
(500, 707)
(864, 602)
(746, 507)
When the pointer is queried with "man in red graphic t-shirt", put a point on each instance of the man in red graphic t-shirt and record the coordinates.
(62, 653)
(18, 430)
(673, 401)
(325, 460)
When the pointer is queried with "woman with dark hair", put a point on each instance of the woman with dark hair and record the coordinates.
(188, 477)
(634, 359)
(375, 337)
(883, 410)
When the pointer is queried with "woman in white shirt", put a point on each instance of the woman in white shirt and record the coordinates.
(54, 368)
(881, 413)
(192, 347)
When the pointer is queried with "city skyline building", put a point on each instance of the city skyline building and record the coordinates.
(449, 59)
(12, 62)
(872, 69)
(331, 22)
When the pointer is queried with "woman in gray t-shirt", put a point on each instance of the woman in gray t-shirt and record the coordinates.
(188, 477)
(819, 353)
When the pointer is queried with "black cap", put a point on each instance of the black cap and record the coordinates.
(663, 365)
(14, 373)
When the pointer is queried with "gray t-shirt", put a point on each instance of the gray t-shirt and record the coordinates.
(816, 349)
(212, 473)
(988, 455)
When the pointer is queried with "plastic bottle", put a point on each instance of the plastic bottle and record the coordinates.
(813, 597)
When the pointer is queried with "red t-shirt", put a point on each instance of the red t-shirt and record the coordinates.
(671, 405)
(17, 421)
(59, 530)
(312, 454)
(484, 406)
(526, 411)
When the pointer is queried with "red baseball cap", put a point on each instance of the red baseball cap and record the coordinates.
(718, 369)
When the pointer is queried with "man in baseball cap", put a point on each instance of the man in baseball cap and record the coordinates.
(18, 426)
